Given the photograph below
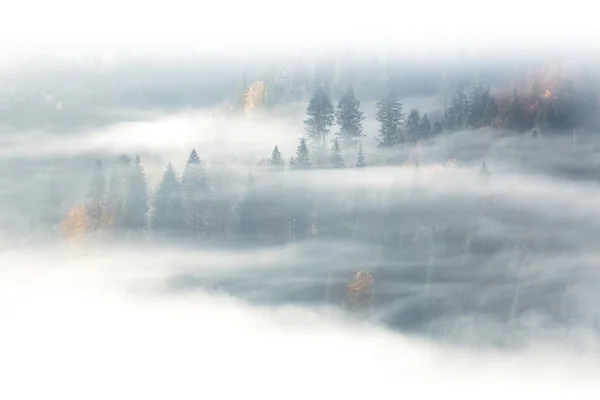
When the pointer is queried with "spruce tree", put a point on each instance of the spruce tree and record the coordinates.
(276, 160)
(335, 156)
(349, 118)
(412, 126)
(361, 159)
(321, 117)
(457, 113)
(117, 189)
(302, 159)
(167, 209)
(424, 127)
(194, 190)
(515, 113)
(437, 128)
(491, 111)
(136, 204)
(95, 198)
(390, 118)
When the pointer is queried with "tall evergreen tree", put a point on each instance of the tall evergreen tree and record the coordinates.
(412, 126)
(194, 188)
(321, 116)
(117, 189)
(335, 156)
(515, 113)
(491, 111)
(361, 159)
(250, 210)
(95, 199)
(457, 113)
(276, 160)
(349, 118)
(136, 203)
(424, 127)
(302, 159)
(167, 210)
(390, 118)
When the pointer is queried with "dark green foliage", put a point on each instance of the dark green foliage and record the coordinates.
(349, 118)
(167, 209)
(390, 118)
(321, 117)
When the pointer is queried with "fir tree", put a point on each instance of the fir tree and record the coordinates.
(136, 204)
(515, 113)
(117, 189)
(194, 190)
(276, 160)
(437, 128)
(412, 126)
(491, 111)
(349, 118)
(361, 160)
(302, 159)
(424, 127)
(167, 210)
(96, 196)
(335, 156)
(321, 117)
(457, 113)
(390, 118)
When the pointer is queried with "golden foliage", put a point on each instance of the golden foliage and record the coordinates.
(254, 96)
(77, 224)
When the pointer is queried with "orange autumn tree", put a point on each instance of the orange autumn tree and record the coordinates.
(77, 224)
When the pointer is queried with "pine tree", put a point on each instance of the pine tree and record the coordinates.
(194, 190)
(276, 160)
(96, 196)
(136, 204)
(390, 118)
(491, 111)
(335, 156)
(302, 159)
(457, 113)
(424, 127)
(321, 117)
(117, 189)
(515, 113)
(349, 118)
(478, 100)
(361, 160)
(167, 209)
(437, 128)
(412, 126)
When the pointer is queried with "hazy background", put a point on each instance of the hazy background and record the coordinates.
(80, 82)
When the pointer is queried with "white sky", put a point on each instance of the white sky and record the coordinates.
(67, 26)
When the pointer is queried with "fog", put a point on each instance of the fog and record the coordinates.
(97, 324)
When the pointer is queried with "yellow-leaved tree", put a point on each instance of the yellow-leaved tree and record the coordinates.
(254, 96)
(77, 224)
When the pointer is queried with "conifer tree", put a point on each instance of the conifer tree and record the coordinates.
(412, 126)
(390, 118)
(194, 188)
(361, 159)
(335, 156)
(424, 127)
(483, 170)
(276, 160)
(349, 118)
(457, 113)
(96, 196)
(437, 128)
(250, 210)
(302, 159)
(136, 203)
(515, 113)
(321, 116)
(167, 209)
(117, 189)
